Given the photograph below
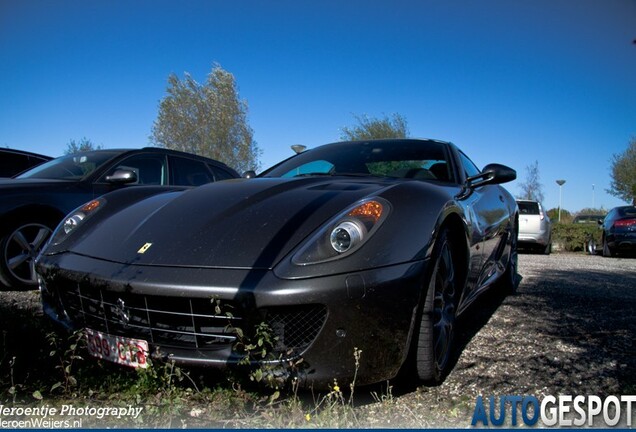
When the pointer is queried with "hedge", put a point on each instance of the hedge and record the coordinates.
(573, 237)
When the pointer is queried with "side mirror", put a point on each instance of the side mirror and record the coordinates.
(492, 174)
(122, 176)
(249, 174)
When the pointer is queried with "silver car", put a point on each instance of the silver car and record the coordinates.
(534, 226)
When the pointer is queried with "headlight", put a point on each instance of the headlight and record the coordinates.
(345, 233)
(75, 219)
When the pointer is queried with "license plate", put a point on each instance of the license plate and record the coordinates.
(118, 349)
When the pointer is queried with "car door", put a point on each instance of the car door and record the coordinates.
(489, 218)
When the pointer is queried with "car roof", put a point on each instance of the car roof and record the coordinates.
(24, 152)
(160, 149)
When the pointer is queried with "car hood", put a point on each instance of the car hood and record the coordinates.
(243, 223)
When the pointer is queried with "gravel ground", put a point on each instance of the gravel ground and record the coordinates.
(568, 330)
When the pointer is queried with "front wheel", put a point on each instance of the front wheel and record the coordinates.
(509, 278)
(590, 248)
(19, 247)
(607, 251)
(436, 332)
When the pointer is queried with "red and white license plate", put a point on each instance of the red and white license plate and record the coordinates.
(118, 349)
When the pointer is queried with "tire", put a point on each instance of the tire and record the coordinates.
(19, 246)
(548, 249)
(509, 278)
(436, 328)
(590, 247)
(607, 251)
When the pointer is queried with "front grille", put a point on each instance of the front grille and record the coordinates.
(297, 327)
(192, 323)
(167, 321)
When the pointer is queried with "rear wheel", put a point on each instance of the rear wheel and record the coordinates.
(548, 249)
(436, 332)
(19, 246)
(591, 247)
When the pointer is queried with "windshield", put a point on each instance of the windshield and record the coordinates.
(424, 160)
(627, 211)
(71, 167)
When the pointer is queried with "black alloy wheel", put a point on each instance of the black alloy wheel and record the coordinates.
(509, 278)
(435, 339)
(18, 250)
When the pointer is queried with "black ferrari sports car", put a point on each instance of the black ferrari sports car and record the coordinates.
(370, 247)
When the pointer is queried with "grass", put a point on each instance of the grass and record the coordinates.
(171, 397)
(41, 368)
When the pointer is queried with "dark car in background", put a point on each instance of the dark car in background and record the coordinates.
(374, 245)
(619, 231)
(588, 219)
(33, 203)
(13, 162)
(592, 239)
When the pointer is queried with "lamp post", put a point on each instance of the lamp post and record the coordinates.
(560, 183)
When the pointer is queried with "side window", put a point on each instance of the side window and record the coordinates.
(11, 164)
(189, 172)
(220, 173)
(150, 169)
(470, 169)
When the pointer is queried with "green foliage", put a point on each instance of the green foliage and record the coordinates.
(256, 349)
(385, 168)
(207, 119)
(532, 189)
(169, 398)
(80, 146)
(592, 211)
(573, 237)
(66, 353)
(566, 216)
(376, 128)
(623, 169)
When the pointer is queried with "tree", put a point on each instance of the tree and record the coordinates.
(376, 128)
(566, 216)
(207, 119)
(532, 189)
(592, 211)
(79, 146)
(623, 183)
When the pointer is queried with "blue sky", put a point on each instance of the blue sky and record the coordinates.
(509, 81)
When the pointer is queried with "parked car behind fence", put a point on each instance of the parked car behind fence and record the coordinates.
(619, 231)
(33, 203)
(13, 162)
